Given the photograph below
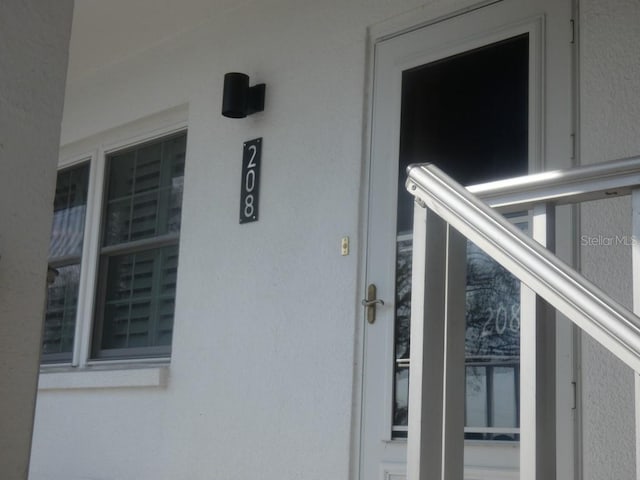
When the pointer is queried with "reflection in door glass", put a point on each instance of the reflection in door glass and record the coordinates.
(492, 346)
(468, 114)
(402, 337)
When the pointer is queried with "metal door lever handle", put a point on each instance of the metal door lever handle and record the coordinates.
(370, 302)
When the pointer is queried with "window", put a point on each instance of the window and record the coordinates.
(139, 251)
(65, 251)
(135, 258)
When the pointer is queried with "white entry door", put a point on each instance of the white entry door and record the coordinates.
(484, 94)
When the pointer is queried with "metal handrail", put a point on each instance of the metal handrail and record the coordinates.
(608, 322)
(574, 185)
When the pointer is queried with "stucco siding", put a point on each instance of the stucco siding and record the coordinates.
(610, 128)
(34, 41)
(266, 357)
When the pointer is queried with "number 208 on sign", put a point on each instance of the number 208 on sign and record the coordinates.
(250, 187)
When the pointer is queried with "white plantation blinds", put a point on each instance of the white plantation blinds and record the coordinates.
(141, 288)
(65, 251)
(144, 196)
(139, 253)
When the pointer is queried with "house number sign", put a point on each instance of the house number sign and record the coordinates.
(250, 188)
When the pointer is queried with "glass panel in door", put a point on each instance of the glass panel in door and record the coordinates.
(468, 114)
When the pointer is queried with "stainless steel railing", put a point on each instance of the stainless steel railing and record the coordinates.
(435, 390)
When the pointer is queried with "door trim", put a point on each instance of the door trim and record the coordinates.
(424, 16)
(410, 21)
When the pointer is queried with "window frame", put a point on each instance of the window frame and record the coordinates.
(95, 150)
(124, 248)
(66, 261)
(101, 291)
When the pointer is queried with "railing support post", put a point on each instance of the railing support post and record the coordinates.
(437, 376)
(425, 440)
(537, 367)
(454, 356)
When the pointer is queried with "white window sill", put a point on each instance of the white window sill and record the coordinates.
(140, 377)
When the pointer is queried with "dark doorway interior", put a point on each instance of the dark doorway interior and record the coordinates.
(468, 114)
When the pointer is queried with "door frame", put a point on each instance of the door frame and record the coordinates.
(417, 19)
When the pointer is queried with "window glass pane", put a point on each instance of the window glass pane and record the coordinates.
(144, 216)
(169, 272)
(504, 406)
(175, 205)
(403, 296)
(65, 250)
(492, 346)
(121, 174)
(148, 166)
(467, 114)
(401, 407)
(117, 222)
(144, 201)
(165, 321)
(144, 192)
(476, 397)
(140, 293)
(60, 317)
(173, 155)
(493, 309)
(492, 342)
(69, 209)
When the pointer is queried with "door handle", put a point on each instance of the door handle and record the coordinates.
(370, 302)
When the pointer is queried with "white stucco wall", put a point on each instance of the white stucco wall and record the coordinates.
(262, 370)
(261, 380)
(34, 41)
(610, 128)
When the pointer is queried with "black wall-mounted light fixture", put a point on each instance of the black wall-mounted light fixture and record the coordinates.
(240, 100)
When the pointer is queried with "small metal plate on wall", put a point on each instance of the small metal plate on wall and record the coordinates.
(250, 187)
(344, 246)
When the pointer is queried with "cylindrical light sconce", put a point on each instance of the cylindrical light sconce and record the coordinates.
(240, 100)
